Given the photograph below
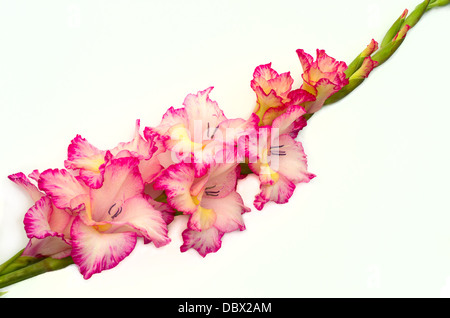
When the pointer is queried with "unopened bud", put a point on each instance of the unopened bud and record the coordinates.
(402, 33)
(394, 29)
(372, 47)
(358, 61)
(366, 67)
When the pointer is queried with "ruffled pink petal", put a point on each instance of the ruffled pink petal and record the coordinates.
(92, 179)
(306, 60)
(188, 142)
(299, 96)
(94, 251)
(50, 246)
(266, 79)
(140, 215)
(151, 168)
(322, 77)
(273, 93)
(171, 118)
(61, 186)
(200, 108)
(290, 121)
(279, 192)
(43, 219)
(167, 212)
(36, 219)
(267, 101)
(282, 84)
(204, 242)
(34, 175)
(176, 181)
(228, 211)
(230, 131)
(88, 159)
(191, 128)
(202, 219)
(236, 137)
(292, 160)
(328, 64)
(83, 155)
(324, 88)
(122, 181)
(272, 113)
(21, 180)
(222, 179)
(261, 76)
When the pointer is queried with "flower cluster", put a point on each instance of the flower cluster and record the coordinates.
(93, 211)
(102, 201)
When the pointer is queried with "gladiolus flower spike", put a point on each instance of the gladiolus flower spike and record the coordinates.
(93, 212)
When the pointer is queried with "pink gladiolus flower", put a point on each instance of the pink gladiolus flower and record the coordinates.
(281, 161)
(211, 201)
(274, 93)
(189, 130)
(108, 219)
(90, 162)
(47, 227)
(199, 133)
(322, 77)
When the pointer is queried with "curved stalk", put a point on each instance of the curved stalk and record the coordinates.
(45, 265)
(391, 42)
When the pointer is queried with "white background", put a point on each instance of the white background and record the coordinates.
(374, 223)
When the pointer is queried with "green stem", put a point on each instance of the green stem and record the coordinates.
(10, 261)
(45, 265)
(437, 3)
(21, 262)
(388, 46)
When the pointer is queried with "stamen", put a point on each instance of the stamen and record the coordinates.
(109, 211)
(212, 193)
(214, 132)
(119, 210)
(279, 153)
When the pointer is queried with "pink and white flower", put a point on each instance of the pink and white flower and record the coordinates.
(280, 160)
(321, 78)
(47, 227)
(274, 93)
(200, 133)
(210, 200)
(108, 220)
(90, 162)
(190, 129)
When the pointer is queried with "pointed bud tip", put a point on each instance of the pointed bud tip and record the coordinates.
(404, 14)
(402, 33)
(372, 47)
(367, 66)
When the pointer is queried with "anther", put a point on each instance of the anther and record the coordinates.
(119, 210)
